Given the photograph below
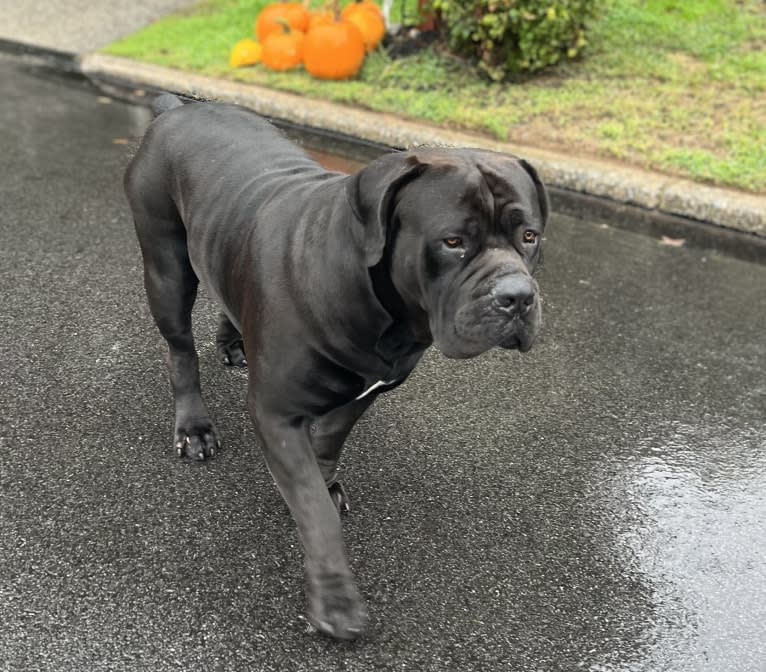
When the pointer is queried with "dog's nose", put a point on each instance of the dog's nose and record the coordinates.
(514, 295)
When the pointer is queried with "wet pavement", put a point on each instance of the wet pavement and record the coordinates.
(596, 504)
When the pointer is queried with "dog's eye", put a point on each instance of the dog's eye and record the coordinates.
(453, 242)
(529, 236)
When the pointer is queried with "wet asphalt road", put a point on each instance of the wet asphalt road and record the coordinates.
(596, 504)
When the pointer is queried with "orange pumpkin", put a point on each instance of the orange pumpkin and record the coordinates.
(333, 50)
(276, 15)
(283, 50)
(368, 5)
(368, 20)
(320, 16)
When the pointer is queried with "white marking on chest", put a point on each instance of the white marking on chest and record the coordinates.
(374, 386)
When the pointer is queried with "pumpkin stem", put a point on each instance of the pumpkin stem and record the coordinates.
(286, 27)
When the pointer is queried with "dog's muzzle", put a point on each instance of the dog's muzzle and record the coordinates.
(514, 295)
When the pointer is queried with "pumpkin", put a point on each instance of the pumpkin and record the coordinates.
(333, 50)
(283, 50)
(320, 16)
(275, 15)
(368, 5)
(245, 52)
(366, 16)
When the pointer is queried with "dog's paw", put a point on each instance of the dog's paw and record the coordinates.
(198, 442)
(232, 353)
(335, 607)
(339, 497)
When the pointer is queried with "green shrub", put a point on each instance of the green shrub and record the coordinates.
(511, 36)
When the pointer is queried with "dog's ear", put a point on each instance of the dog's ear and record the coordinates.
(371, 194)
(542, 194)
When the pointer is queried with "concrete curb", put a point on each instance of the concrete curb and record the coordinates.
(667, 195)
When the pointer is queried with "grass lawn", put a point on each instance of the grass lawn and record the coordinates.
(673, 85)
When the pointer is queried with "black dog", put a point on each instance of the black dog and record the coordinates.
(333, 286)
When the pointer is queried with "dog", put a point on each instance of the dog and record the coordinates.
(331, 287)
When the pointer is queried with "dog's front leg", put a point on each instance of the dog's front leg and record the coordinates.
(328, 434)
(335, 606)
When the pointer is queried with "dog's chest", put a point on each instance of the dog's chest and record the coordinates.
(396, 373)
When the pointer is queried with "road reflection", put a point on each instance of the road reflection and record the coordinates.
(698, 508)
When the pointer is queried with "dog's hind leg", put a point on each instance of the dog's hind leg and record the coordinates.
(171, 288)
(228, 341)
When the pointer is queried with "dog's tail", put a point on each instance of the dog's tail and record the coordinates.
(165, 102)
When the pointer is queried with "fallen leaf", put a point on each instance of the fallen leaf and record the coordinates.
(120, 141)
(672, 242)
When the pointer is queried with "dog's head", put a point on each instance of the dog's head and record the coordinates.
(461, 234)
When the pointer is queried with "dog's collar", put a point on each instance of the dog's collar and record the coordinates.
(375, 386)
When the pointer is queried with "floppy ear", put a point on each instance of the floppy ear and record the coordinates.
(371, 194)
(542, 194)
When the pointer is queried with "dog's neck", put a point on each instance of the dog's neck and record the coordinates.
(408, 331)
